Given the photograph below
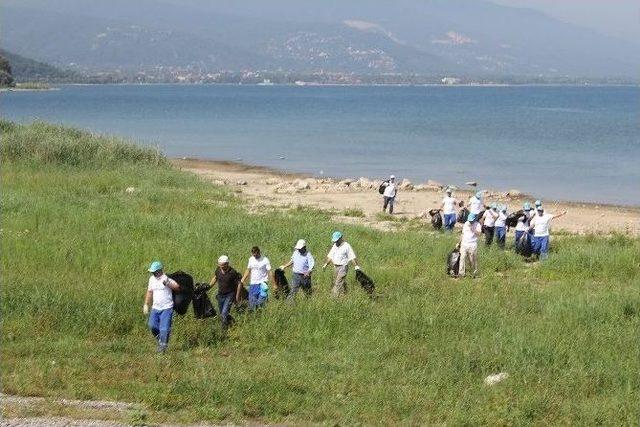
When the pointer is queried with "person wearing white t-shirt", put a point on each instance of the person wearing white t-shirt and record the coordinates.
(501, 226)
(259, 272)
(340, 255)
(449, 210)
(160, 296)
(489, 222)
(475, 203)
(540, 224)
(522, 226)
(471, 230)
(389, 195)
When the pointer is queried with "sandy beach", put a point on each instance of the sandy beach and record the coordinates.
(358, 201)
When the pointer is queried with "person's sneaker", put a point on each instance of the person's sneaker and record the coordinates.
(162, 348)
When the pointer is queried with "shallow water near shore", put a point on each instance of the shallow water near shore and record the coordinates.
(562, 142)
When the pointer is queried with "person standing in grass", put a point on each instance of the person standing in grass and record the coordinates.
(475, 203)
(303, 263)
(471, 230)
(389, 195)
(229, 285)
(540, 224)
(449, 210)
(523, 221)
(501, 227)
(160, 296)
(259, 271)
(489, 222)
(340, 255)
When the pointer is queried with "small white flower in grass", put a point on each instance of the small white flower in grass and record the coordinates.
(496, 378)
(130, 190)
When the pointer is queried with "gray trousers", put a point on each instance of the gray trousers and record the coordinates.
(340, 283)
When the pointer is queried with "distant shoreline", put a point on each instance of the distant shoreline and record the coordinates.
(469, 85)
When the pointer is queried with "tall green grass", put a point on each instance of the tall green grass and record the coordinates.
(75, 247)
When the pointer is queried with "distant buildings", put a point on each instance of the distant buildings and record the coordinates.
(450, 81)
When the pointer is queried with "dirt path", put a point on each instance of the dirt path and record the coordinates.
(272, 188)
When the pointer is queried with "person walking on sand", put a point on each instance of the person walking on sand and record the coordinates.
(489, 222)
(229, 285)
(501, 227)
(471, 230)
(302, 264)
(475, 203)
(449, 210)
(389, 194)
(160, 296)
(522, 225)
(259, 271)
(340, 255)
(540, 224)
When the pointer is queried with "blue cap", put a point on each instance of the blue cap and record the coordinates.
(472, 217)
(494, 205)
(155, 266)
(479, 194)
(526, 206)
(538, 203)
(336, 236)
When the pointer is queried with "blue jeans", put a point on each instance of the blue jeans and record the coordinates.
(501, 236)
(388, 201)
(160, 325)
(540, 246)
(300, 281)
(519, 235)
(449, 221)
(225, 301)
(255, 299)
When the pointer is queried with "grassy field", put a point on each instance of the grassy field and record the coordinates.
(75, 247)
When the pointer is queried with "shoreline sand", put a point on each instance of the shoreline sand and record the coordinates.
(273, 188)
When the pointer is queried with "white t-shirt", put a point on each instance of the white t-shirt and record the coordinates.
(490, 218)
(162, 294)
(448, 205)
(390, 190)
(469, 236)
(260, 269)
(523, 220)
(341, 255)
(541, 224)
(475, 205)
(501, 221)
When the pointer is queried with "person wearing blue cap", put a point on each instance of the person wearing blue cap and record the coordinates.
(340, 255)
(489, 223)
(160, 296)
(501, 226)
(475, 203)
(471, 230)
(540, 224)
(523, 221)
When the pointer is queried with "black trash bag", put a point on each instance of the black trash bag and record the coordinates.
(182, 298)
(282, 285)
(202, 307)
(523, 245)
(382, 187)
(366, 282)
(463, 215)
(453, 262)
(512, 218)
(436, 219)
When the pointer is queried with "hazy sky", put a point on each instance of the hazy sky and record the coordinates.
(620, 18)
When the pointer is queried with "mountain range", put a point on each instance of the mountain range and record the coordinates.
(429, 37)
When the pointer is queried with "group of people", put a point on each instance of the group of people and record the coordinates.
(158, 302)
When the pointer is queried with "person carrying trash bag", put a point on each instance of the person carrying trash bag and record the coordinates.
(489, 223)
(340, 255)
(259, 272)
(523, 221)
(160, 296)
(389, 194)
(302, 263)
(475, 203)
(229, 284)
(449, 210)
(501, 227)
(540, 224)
(471, 230)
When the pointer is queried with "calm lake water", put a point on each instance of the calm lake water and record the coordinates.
(571, 143)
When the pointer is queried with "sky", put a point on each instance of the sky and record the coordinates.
(618, 18)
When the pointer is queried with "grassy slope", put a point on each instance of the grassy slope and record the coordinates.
(74, 250)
